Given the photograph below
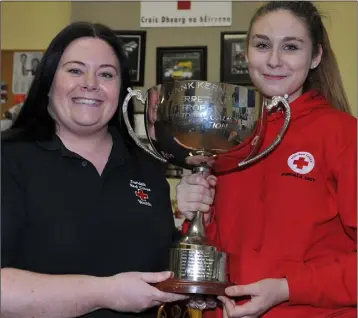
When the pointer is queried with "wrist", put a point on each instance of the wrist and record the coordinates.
(283, 290)
(95, 289)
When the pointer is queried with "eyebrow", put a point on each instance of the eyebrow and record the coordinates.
(83, 64)
(287, 38)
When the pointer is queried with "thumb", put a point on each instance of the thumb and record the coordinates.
(155, 277)
(212, 180)
(242, 290)
(228, 305)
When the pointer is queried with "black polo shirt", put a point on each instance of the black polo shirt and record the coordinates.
(59, 216)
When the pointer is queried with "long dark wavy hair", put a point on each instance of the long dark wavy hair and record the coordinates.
(34, 122)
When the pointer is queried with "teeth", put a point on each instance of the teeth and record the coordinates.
(86, 101)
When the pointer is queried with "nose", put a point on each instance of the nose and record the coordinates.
(90, 83)
(274, 59)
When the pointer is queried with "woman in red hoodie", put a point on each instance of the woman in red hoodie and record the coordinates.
(288, 221)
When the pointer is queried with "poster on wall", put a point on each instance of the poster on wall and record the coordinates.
(185, 14)
(134, 43)
(233, 63)
(24, 68)
(181, 63)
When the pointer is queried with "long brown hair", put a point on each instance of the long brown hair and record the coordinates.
(326, 77)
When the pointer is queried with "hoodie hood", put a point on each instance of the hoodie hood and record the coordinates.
(302, 106)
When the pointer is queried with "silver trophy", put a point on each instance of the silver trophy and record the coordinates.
(192, 124)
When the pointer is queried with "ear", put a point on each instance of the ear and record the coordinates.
(317, 59)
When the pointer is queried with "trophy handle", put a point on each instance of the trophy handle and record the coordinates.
(131, 132)
(274, 102)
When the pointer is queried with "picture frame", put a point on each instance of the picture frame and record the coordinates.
(134, 43)
(181, 63)
(233, 64)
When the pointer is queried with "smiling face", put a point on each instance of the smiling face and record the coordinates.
(280, 54)
(85, 91)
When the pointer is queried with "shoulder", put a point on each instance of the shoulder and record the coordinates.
(15, 149)
(338, 125)
(326, 117)
(16, 142)
(338, 117)
(19, 157)
(337, 132)
(13, 155)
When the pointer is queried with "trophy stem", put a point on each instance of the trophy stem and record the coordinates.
(196, 231)
(189, 312)
(195, 313)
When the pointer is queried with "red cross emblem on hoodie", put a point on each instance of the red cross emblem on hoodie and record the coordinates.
(301, 162)
(140, 194)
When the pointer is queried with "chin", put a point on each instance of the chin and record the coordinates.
(269, 89)
(86, 130)
(84, 125)
(273, 92)
(86, 120)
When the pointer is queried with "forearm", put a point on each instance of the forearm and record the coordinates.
(28, 294)
(331, 285)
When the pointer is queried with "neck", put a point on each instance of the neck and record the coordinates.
(86, 143)
(291, 97)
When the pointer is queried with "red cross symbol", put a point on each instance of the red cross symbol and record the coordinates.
(183, 5)
(140, 194)
(300, 163)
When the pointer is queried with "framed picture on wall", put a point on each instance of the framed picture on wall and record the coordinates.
(233, 64)
(181, 63)
(134, 43)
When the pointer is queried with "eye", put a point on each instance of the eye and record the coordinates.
(261, 46)
(106, 75)
(75, 71)
(291, 47)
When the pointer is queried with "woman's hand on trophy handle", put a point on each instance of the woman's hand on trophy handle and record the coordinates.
(195, 193)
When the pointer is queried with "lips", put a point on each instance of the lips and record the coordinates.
(273, 77)
(87, 101)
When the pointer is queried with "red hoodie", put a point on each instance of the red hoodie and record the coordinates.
(294, 213)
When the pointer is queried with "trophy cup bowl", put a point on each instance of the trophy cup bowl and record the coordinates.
(189, 123)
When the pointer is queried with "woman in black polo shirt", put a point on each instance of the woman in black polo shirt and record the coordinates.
(86, 215)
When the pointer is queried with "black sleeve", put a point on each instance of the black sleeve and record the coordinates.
(12, 208)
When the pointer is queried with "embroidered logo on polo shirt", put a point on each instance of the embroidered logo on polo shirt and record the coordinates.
(141, 192)
(167, 155)
(301, 162)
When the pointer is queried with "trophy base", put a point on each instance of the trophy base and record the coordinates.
(191, 287)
